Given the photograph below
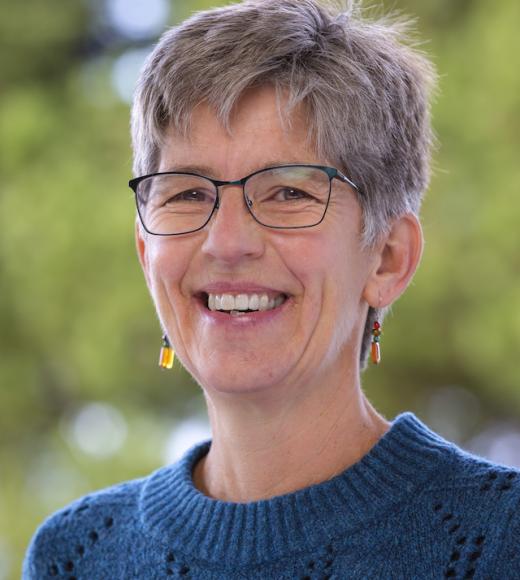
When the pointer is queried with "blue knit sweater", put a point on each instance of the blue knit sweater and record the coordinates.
(415, 507)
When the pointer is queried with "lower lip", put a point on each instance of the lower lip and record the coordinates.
(248, 320)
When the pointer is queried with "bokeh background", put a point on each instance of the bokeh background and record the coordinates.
(82, 402)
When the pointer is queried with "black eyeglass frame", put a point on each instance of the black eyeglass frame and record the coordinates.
(331, 172)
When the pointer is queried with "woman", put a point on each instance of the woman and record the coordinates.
(282, 151)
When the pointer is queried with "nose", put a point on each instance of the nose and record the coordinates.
(232, 233)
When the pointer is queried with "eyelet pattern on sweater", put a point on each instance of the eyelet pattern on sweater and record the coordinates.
(416, 506)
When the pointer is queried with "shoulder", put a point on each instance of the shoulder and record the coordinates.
(467, 470)
(475, 504)
(70, 534)
(466, 477)
(508, 559)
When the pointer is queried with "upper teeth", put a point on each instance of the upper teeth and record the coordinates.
(243, 302)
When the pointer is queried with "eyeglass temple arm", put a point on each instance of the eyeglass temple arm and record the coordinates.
(345, 179)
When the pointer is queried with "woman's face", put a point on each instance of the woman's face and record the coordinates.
(321, 271)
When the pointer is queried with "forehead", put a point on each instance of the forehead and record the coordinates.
(258, 136)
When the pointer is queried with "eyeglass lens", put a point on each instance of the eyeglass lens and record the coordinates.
(284, 197)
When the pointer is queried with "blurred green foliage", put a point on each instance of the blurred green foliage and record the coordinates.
(76, 323)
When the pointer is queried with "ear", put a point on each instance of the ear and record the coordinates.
(140, 242)
(396, 260)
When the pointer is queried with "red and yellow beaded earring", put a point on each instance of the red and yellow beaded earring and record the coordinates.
(166, 356)
(376, 349)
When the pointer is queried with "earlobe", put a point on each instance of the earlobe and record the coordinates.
(396, 261)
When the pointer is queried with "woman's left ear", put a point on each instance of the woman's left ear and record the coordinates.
(395, 261)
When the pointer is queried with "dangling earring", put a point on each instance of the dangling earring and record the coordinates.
(376, 350)
(166, 355)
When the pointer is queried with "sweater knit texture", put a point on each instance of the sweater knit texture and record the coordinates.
(414, 507)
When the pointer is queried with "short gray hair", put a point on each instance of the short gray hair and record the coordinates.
(365, 87)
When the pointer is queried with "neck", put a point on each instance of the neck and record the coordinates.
(279, 447)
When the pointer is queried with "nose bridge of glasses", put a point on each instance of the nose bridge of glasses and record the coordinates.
(240, 183)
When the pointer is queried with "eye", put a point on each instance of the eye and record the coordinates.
(191, 195)
(291, 194)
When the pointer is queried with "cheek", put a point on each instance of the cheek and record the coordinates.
(329, 265)
(168, 260)
(344, 273)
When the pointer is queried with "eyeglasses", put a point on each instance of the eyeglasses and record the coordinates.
(284, 197)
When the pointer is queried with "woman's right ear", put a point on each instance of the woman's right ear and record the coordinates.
(140, 242)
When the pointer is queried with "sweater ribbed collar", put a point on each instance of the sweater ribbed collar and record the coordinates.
(241, 534)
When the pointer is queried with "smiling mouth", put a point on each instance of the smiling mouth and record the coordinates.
(238, 304)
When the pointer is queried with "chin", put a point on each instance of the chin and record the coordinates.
(242, 381)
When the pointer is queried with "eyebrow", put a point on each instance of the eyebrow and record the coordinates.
(206, 170)
(203, 169)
